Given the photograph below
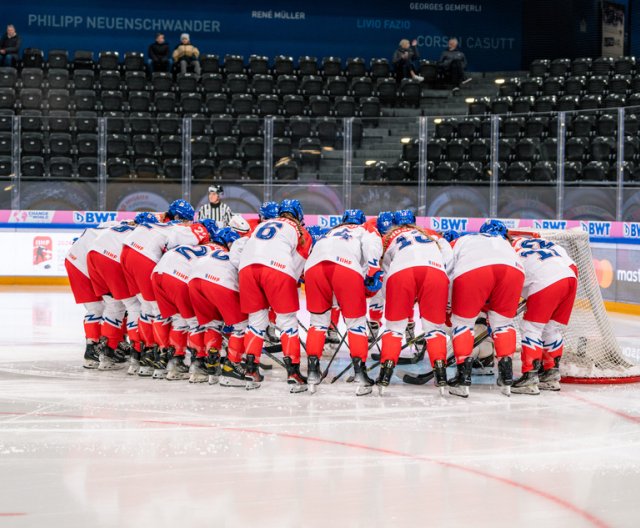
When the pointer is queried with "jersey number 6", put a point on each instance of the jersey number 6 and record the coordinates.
(268, 230)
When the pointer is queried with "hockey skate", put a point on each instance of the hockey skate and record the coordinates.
(483, 366)
(252, 373)
(91, 356)
(550, 379)
(365, 383)
(294, 378)
(459, 386)
(527, 383)
(146, 362)
(176, 369)
(160, 360)
(440, 375)
(112, 359)
(134, 363)
(233, 374)
(505, 375)
(314, 376)
(212, 366)
(384, 377)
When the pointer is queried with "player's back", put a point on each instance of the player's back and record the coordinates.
(217, 267)
(179, 261)
(152, 240)
(109, 242)
(544, 263)
(78, 251)
(408, 246)
(273, 244)
(479, 250)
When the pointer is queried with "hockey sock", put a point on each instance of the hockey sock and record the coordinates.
(253, 340)
(212, 339)
(93, 320)
(550, 352)
(531, 351)
(114, 334)
(291, 346)
(462, 343)
(178, 340)
(134, 337)
(145, 329)
(436, 346)
(391, 346)
(161, 331)
(196, 342)
(235, 349)
(358, 343)
(315, 340)
(504, 340)
(335, 316)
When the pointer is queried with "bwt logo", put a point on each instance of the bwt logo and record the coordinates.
(631, 230)
(93, 217)
(329, 221)
(549, 224)
(446, 224)
(596, 228)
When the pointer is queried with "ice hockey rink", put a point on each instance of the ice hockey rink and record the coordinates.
(85, 448)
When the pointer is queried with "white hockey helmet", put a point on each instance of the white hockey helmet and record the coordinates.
(239, 225)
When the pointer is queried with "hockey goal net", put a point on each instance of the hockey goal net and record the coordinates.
(592, 353)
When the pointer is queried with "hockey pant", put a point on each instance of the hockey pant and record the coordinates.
(328, 283)
(216, 306)
(548, 311)
(499, 287)
(262, 288)
(429, 288)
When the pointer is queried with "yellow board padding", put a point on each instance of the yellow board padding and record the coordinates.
(626, 308)
(35, 281)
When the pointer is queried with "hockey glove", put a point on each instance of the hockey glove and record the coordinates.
(373, 283)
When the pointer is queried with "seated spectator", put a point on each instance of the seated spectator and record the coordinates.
(404, 60)
(452, 64)
(186, 54)
(9, 47)
(159, 54)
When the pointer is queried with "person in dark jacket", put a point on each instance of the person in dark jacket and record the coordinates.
(452, 64)
(404, 60)
(9, 47)
(159, 54)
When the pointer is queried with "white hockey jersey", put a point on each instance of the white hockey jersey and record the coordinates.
(152, 240)
(544, 263)
(479, 250)
(408, 247)
(280, 244)
(109, 242)
(180, 261)
(357, 247)
(217, 267)
(79, 250)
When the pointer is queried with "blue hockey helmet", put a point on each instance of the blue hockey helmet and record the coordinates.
(268, 210)
(404, 217)
(316, 232)
(494, 227)
(145, 217)
(210, 226)
(292, 207)
(353, 216)
(225, 236)
(181, 210)
(384, 221)
(450, 235)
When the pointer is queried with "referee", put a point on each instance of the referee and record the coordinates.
(215, 209)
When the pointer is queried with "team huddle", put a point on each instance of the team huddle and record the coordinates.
(163, 286)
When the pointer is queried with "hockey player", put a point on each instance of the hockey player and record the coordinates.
(109, 281)
(267, 211)
(341, 264)
(142, 250)
(383, 223)
(170, 282)
(78, 272)
(550, 287)
(415, 265)
(270, 267)
(213, 289)
(486, 270)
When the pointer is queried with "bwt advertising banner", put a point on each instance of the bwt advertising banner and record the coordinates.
(489, 31)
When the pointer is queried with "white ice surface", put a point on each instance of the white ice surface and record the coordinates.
(84, 448)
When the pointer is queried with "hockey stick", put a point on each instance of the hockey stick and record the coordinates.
(342, 340)
(342, 373)
(421, 379)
